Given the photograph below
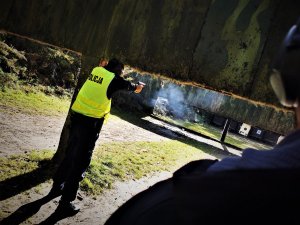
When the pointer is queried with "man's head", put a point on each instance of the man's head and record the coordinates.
(103, 62)
(115, 66)
(285, 77)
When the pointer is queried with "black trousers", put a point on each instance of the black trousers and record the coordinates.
(84, 132)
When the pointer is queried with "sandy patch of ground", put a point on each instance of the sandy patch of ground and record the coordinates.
(22, 132)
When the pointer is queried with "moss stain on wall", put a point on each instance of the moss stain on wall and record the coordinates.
(242, 48)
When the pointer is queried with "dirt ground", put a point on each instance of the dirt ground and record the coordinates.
(21, 133)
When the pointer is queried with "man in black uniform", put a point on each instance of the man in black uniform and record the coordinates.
(91, 107)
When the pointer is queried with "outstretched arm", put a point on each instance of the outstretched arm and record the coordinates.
(119, 83)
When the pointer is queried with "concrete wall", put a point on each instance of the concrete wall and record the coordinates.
(223, 44)
(183, 97)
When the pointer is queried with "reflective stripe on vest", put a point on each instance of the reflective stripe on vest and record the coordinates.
(92, 100)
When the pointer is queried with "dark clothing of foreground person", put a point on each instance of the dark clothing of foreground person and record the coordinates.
(91, 107)
(260, 187)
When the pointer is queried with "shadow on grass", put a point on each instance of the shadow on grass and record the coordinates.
(15, 185)
(136, 118)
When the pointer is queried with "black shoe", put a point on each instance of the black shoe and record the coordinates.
(67, 208)
(56, 191)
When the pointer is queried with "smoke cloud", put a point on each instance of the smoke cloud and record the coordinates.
(171, 100)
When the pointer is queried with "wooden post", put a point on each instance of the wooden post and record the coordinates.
(225, 130)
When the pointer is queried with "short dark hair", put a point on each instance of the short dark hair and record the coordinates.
(113, 64)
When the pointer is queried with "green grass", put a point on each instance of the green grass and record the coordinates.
(112, 161)
(215, 133)
(115, 161)
(16, 165)
(233, 139)
(133, 160)
(30, 100)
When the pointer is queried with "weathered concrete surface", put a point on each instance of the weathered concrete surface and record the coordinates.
(284, 16)
(225, 45)
(183, 96)
(231, 43)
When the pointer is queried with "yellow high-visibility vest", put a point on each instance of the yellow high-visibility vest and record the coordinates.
(92, 100)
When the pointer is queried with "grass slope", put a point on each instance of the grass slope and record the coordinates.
(33, 101)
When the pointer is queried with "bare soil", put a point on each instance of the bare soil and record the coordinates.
(21, 133)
